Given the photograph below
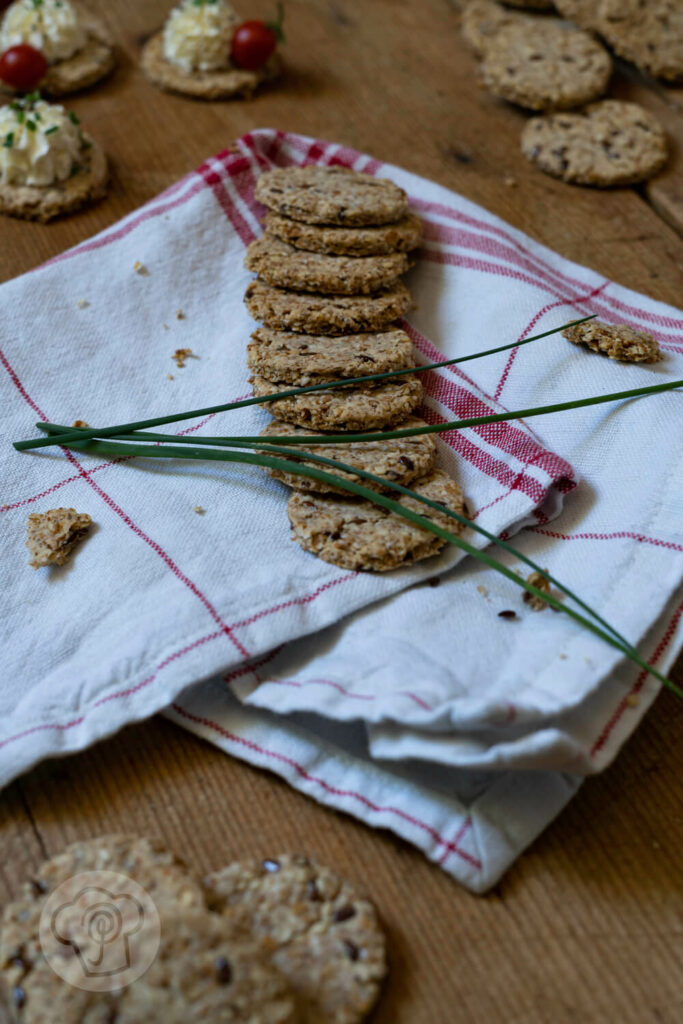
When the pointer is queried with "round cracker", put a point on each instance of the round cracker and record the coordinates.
(356, 534)
(279, 263)
(358, 407)
(331, 195)
(647, 32)
(555, 67)
(322, 934)
(482, 20)
(399, 460)
(45, 202)
(404, 235)
(231, 83)
(607, 143)
(284, 309)
(302, 359)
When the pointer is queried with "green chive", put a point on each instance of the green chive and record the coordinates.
(73, 118)
(50, 131)
(9, 140)
(432, 428)
(31, 126)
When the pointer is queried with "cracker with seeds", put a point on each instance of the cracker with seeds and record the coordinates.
(398, 460)
(607, 143)
(618, 341)
(554, 67)
(647, 32)
(305, 312)
(281, 264)
(302, 359)
(356, 534)
(331, 195)
(358, 407)
(321, 933)
(52, 536)
(404, 235)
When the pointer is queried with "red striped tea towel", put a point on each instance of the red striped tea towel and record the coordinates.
(159, 596)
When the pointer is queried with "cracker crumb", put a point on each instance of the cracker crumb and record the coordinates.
(617, 341)
(82, 303)
(536, 579)
(199, 510)
(509, 181)
(140, 269)
(169, 376)
(632, 700)
(80, 424)
(166, 327)
(563, 657)
(180, 315)
(51, 536)
(181, 354)
(482, 590)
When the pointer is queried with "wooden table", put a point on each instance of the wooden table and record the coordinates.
(588, 926)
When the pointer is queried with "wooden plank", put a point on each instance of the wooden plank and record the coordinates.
(587, 925)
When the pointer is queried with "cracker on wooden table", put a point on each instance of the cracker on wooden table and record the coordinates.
(284, 309)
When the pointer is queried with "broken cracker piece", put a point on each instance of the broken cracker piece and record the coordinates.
(51, 536)
(181, 354)
(80, 424)
(536, 579)
(140, 268)
(618, 341)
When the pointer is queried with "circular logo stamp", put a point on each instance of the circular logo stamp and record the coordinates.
(100, 931)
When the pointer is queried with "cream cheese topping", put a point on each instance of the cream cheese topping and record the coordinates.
(40, 144)
(198, 35)
(51, 26)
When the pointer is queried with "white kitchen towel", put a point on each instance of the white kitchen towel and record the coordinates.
(478, 283)
(160, 596)
(415, 665)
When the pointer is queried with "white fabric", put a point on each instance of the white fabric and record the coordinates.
(409, 692)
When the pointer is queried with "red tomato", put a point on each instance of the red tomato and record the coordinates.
(22, 67)
(252, 44)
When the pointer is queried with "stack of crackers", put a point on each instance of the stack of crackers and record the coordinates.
(328, 295)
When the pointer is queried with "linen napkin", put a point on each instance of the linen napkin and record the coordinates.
(160, 595)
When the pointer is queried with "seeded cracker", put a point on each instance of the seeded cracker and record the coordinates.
(310, 359)
(552, 67)
(482, 20)
(323, 936)
(281, 264)
(331, 195)
(399, 460)
(354, 533)
(584, 13)
(52, 536)
(618, 341)
(357, 407)
(404, 235)
(647, 32)
(326, 314)
(607, 143)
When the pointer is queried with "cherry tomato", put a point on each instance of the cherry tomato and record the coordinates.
(22, 67)
(252, 44)
(255, 41)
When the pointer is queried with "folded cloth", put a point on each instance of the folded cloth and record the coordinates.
(387, 662)
(160, 596)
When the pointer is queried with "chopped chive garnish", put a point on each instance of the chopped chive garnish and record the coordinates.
(9, 140)
(31, 126)
(54, 128)
(73, 118)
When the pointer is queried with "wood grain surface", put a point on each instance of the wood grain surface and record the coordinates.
(588, 926)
